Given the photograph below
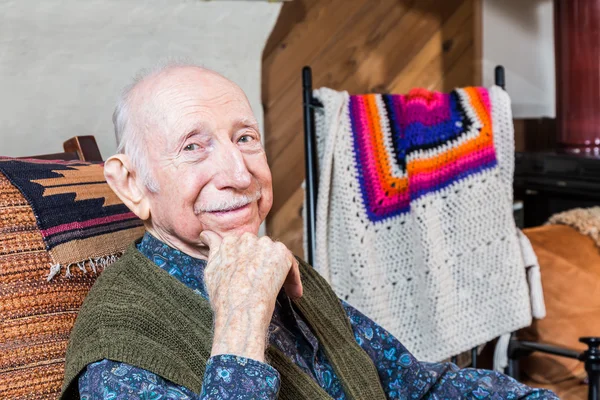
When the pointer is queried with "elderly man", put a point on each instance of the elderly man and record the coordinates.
(195, 309)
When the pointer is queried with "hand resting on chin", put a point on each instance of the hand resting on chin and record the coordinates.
(243, 277)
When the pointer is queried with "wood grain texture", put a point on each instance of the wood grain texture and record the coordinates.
(360, 46)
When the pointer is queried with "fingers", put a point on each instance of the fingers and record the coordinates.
(212, 241)
(293, 283)
(261, 250)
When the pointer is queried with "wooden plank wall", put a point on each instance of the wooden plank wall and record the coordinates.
(360, 46)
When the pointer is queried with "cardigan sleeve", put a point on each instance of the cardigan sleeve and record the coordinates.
(226, 377)
(403, 377)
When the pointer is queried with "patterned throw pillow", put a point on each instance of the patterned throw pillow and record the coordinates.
(60, 225)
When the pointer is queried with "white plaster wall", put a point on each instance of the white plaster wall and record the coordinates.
(519, 34)
(64, 62)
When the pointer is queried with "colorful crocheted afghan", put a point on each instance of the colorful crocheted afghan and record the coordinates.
(392, 132)
(414, 216)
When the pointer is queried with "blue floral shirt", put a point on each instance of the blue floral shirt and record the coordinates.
(233, 377)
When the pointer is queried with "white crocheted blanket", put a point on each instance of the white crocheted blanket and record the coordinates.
(414, 217)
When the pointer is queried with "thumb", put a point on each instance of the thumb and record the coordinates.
(211, 240)
(293, 283)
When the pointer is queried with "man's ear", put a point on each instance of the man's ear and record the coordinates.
(122, 180)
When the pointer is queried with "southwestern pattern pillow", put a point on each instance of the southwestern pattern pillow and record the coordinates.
(60, 225)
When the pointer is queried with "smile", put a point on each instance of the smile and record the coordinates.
(231, 211)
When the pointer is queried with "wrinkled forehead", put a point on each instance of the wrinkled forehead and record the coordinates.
(177, 102)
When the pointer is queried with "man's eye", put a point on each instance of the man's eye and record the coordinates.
(245, 139)
(191, 147)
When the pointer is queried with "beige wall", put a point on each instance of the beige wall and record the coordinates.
(63, 62)
(519, 34)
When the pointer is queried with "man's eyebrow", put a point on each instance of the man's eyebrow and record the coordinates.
(246, 122)
(194, 130)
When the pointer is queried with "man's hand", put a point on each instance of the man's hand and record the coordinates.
(243, 276)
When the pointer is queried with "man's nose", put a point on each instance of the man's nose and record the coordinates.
(233, 169)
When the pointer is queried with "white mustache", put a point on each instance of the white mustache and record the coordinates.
(231, 203)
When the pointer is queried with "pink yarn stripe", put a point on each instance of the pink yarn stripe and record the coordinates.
(426, 180)
(369, 162)
(429, 180)
(428, 114)
(484, 97)
(86, 224)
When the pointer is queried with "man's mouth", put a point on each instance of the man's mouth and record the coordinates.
(230, 210)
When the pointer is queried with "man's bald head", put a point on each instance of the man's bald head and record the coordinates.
(144, 106)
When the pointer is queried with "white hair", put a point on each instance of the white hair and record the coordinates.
(129, 135)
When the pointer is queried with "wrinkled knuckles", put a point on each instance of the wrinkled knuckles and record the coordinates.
(265, 241)
(228, 240)
(281, 248)
(248, 236)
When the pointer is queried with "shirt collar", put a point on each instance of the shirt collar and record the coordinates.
(187, 269)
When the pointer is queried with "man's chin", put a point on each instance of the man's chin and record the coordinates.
(233, 228)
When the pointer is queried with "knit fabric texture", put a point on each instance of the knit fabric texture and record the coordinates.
(139, 314)
(414, 215)
(35, 316)
(54, 217)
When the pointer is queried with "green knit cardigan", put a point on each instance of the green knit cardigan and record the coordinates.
(138, 314)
